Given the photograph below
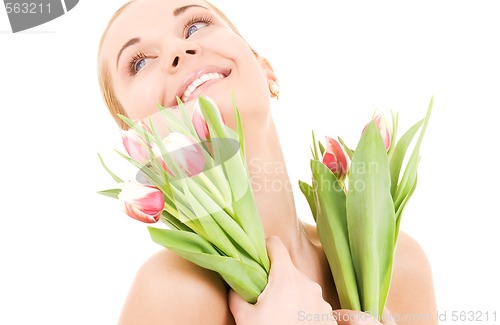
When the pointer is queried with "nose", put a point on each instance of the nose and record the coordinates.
(175, 62)
(181, 53)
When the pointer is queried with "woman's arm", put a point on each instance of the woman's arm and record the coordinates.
(171, 290)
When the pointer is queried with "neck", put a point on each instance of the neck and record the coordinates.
(272, 189)
(274, 197)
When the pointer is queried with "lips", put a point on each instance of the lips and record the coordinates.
(195, 82)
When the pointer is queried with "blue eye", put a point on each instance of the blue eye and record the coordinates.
(138, 62)
(196, 23)
(193, 28)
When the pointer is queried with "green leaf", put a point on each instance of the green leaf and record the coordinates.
(410, 175)
(347, 150)
(314, 148)
(399, 210)
(173, 123)
(225, 221)
(143, 133)
(247, 216)
(172, 221)
(225, 144)
(239, 130)
(215, 181)
(394, 134)
(398, 155)
(371, 220)
(111, 192)
(150, 174)
(243, 203)
(309, 194)
(113, 175)
(187, 121)
(131, 123)
(215, 125)
(248, 280)
(321, 149)
(330, 201)
(185, 213)
(212, 230)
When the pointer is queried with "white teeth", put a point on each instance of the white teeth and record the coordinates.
(196, 83)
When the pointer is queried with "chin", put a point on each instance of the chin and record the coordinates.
(252, 111)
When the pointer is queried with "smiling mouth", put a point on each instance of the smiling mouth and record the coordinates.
(200, 81)
(194, 83)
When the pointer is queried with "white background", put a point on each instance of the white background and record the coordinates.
(68, 256)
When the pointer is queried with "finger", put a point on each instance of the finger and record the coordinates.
(277, 251)
(283, 271)
(238, 306)
(352, 317)
(387, 317)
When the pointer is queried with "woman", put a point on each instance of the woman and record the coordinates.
(155, 50)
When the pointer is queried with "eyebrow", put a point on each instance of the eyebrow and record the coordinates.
(180, 10)
(136, 40)
(130, 42)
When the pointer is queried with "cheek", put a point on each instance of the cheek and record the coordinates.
(249, 79)
(141, 99)
(251, 89)
(227, 44)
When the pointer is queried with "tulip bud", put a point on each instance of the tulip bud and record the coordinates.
(199, 122)
(185, 152)
(135, 145)
(385, 130)
(335, 159)
(142, 202)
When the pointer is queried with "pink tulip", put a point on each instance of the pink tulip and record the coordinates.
(199, 122)
(385, 130)
(185, 152)
(335, 159)
(135, 145)
(142, 202)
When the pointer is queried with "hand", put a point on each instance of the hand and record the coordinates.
(290, 297)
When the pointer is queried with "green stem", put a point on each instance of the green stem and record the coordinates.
(214, 192)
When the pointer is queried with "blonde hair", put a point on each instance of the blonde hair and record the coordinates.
(104, 76)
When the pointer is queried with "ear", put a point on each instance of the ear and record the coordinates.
(268, 69)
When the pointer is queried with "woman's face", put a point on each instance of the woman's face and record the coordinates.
(156, 50)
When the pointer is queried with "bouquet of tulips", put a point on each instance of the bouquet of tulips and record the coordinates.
(357, 207)
(195, 180)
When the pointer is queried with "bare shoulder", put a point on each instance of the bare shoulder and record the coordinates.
(412, 289)
(171, 290)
